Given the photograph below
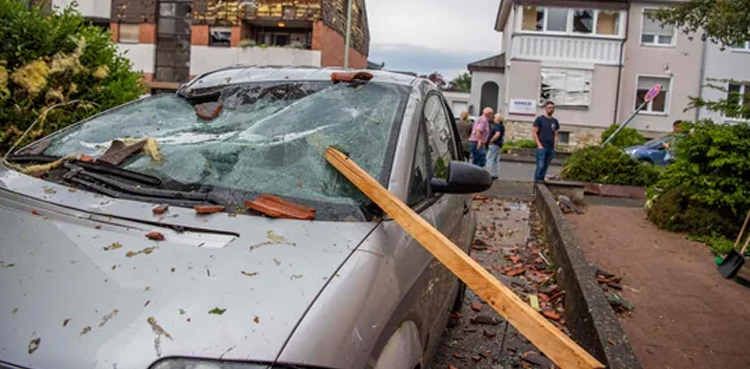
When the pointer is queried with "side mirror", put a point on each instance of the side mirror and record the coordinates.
(462, 178)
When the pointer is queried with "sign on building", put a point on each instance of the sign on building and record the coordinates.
(522, 107)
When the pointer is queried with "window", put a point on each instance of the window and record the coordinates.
(742, 46)
(659, 103)
(566, 87)
(128, 33)
(738, 97)
(440, 136)
(220, 36)
(419, 174)
(584, 21)
(289, 12)
(563, 138)
(653, 33)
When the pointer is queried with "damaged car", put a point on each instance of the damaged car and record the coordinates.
(205, 229)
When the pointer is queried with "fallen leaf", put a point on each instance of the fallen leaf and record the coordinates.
(274, 237)
(182, 312)
(85, 330)
(145, 251)
(65, 322)
(155, 235)
(256, 320)
(217, 311)
(49, 191)
(296, 276)
(113, 246)
(109, 316)
(34, 345)
(246, 274)
(157, 328)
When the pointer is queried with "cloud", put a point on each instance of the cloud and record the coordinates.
(424, 36)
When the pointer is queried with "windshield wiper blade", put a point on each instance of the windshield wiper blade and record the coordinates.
(151, 193)
(97, 167)
(121, 195)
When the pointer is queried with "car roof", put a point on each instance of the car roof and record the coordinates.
(241, 74)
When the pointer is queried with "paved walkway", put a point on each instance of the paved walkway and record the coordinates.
(686, 315)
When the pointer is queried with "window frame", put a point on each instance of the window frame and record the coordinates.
(224, 29)
(119, 34)
(559, 138)
(559, 102)
(429, 198)
(667, 102)
(673, 42)
(745, 49)
(744, 93)
(569, 25)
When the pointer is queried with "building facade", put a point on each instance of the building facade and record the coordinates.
(171, 41)
(597, 60)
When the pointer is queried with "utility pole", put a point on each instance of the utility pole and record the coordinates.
(348, 33)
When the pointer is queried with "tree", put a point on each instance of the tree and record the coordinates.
(462, 83)
(56, 69)
(437, 79)
(723, 21)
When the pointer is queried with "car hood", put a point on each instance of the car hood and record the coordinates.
(82, 287)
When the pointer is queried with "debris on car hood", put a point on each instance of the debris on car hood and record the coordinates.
(275, 207)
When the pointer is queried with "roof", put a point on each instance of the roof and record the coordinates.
(240, 74)
(492, 64)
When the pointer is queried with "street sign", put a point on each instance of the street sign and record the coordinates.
(653, 92)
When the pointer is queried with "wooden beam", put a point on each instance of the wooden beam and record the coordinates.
(556, 345)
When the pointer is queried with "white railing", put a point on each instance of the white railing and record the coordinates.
(88, 8)
(562, 48)
(205, 58)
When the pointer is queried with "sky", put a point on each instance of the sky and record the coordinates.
(423, 36)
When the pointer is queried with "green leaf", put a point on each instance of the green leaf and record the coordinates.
(217, 311)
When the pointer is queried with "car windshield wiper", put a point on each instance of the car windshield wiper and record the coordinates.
(97, 167)
(114, 188)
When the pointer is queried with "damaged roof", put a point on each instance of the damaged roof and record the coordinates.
(492, 64)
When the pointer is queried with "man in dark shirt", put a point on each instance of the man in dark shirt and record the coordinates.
(545, 135)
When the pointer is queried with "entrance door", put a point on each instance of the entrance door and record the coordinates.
(489, 97)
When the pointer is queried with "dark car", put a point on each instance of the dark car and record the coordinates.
(655, 151)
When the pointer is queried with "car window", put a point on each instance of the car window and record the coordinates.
(418, 182)
(269, 138)
(440, 136)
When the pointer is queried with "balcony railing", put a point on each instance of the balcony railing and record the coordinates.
(563, 48)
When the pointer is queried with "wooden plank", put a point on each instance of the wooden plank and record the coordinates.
(556, 345)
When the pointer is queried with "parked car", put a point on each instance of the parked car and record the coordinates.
(84, 287)
(654, 151)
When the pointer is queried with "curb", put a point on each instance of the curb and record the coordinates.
(591, 320)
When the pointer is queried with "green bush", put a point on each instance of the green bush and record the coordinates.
(518, 144)
(608, 165)
(626, 138)
(710, 173)
(56, 60)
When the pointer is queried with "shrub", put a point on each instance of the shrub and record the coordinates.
(710, 173)
(518, 144)
(56, 60)
(608, 165)
(626, 138)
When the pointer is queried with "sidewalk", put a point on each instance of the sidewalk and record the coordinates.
(686, 315)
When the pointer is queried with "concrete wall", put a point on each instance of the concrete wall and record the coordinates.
(142, 55)
(478, 79)
(88, 8)
(727, 64)
(457, 101)
(681, 63)
(205, 58)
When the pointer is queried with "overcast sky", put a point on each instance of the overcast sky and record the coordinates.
(424, 36)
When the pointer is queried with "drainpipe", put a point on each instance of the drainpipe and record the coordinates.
(619, 68)
(348, 33)
(703, 75)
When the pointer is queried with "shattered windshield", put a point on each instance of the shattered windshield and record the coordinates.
(267, 138)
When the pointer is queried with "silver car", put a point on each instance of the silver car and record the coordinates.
(96, 272)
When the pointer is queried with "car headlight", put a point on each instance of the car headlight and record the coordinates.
(183, 363)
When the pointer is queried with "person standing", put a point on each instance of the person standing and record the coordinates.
(545, 135)
(480, 134)
(464, 131)
(497, 136)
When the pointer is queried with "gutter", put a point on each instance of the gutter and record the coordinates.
(621, 64)
(703, 76)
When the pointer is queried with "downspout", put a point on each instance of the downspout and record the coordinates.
(621, 64)
(703, 75)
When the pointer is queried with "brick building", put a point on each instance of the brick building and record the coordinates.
(171, 41)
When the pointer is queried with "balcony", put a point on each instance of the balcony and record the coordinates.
(564, 48)
(205, 58)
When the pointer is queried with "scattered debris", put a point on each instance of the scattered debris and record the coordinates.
(14, 311)
(157, 329)
(209, 110)
(66, 321)
(86, 158)
(534, 302)
(217, 311)
(119, 151)
(609, 281)
(458, 355)
(113, 246)
(208, 209)
(145, 251)
(537, 359)
(296, 276)
(155, 235)
(34, 345)
(182, 312)
(486, 320)
(246, 274)
(477, 306)
(109, 316)
(85, 330)
(273, 239)
(275, 207)
(489, 333)
(161, 209)
(256, 319)
(476, 358)
(567, 206)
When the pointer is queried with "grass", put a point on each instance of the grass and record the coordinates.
(720, 245)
